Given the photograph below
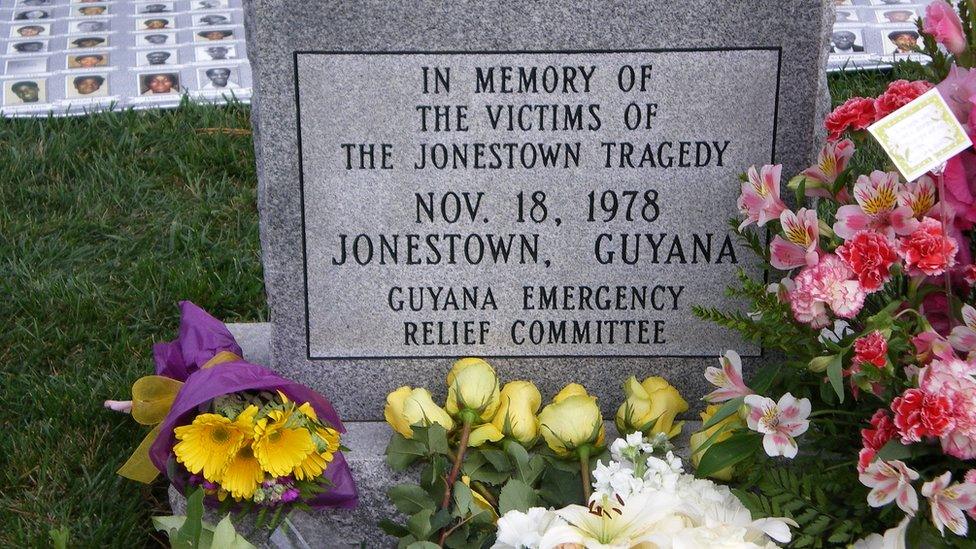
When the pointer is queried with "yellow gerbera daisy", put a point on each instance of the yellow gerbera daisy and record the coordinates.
(242, 474)
(207, 444)
(327, 441)
(278, 447)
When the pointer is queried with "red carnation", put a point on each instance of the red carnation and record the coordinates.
(882, 430)
(928, 250)
(870, 255)
(871, 349)
(898, 94)
(856, 113)
(919, 414)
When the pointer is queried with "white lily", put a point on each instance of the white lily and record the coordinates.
(616, 525)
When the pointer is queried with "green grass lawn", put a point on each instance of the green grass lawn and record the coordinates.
(105, 223)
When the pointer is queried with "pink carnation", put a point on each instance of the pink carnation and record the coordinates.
(898, 94)
(928, 250)
(870, 255)
(942, 23)
(954, 380)
(829, 283)
(857, 113)
(960, 188)
(919, 414)
(871, 349)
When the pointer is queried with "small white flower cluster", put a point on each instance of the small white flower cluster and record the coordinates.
(643, 498)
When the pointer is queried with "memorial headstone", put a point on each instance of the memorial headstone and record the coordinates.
(543, 183)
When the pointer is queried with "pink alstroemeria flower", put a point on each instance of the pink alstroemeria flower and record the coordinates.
(891, 481)
(760, 201)
(877, 208)
(801, 246)
(779, 422)
(728, 379)
(949, 502)
(963, 338)
(831, 161)
(919, 197)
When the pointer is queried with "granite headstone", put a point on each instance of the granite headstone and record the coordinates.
(545, 183)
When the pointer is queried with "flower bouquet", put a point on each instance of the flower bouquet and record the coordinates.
(872, 401)
(496, 471)
(251, 440)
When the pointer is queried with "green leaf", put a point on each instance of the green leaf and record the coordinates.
(498, 459)
(410, 498)
(440, 519)
(419, 524)
(190, 531)
(393, 529)
(423, 545)
(516, 495)
(226, 537)
(433, 437)
(835, 373)
(402, 452)
(527, 468)
(476, 467)
(463, 499)
(763, 379)
(728, 452)
(59, 537)
(725, 411)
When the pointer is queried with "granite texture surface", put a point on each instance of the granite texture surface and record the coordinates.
(279, 28)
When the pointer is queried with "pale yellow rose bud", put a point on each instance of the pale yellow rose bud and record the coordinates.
(406, 406)
(572, 422)
(516, 415)
(650, 407)
(472, 385)
(699, 439)
(573, 389)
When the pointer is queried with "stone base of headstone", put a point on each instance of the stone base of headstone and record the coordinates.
(367, 442)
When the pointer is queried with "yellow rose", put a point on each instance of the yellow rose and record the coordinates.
(572, 389)
(698, 439)
(516, 415)
(572, 422)
(472, 385)
(406, 406)
(650, 407)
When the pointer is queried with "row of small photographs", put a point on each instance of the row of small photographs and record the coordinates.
(101, 41)
(194, 4)
(49, 10)
(879, 15)
(215, 80)
(151, 57)
(206, 19)
(851, 41)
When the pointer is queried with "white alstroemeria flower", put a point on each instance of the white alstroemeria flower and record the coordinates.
(963, 338)
(891, 481)
(948, 503)
(728, 379)
(618, 525)
(779, 421)
(518, 530)
(614, 479)
(893, 538)
(840, 330)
